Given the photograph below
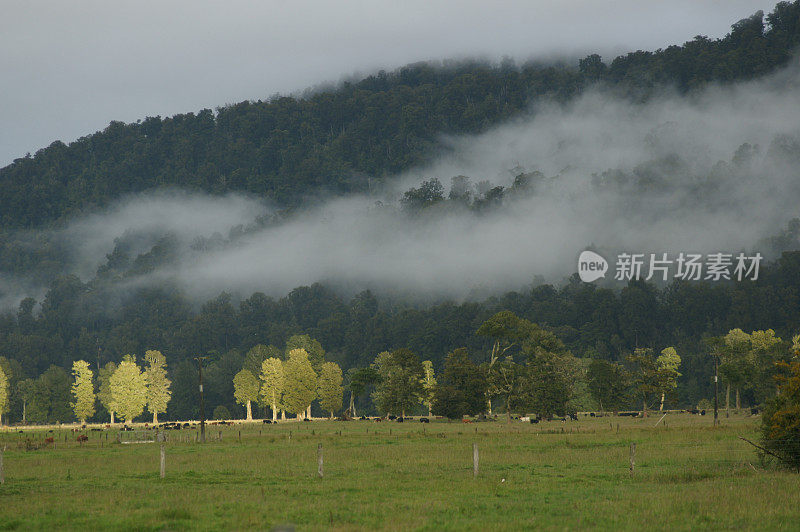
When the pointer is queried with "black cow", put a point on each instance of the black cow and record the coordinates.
(424, 420)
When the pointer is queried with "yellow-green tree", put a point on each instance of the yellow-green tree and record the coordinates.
(245, 390)
(104, 389)
(330, 387)
(158, 392)
(301, 383)
(4, 402)
(128, 389)
(645, 375)
(82, 391)
(272, 384)
(314, 350)
(735, 363)
(766, 350)
(428, 385)
(399, 383)
(668, 363)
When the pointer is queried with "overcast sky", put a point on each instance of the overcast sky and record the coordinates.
(68, 68)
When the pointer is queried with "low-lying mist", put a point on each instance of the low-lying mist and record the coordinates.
(713, 171)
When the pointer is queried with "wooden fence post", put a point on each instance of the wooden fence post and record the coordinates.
(633, 457)
(474, 460)
(163, 460)
(319, 460)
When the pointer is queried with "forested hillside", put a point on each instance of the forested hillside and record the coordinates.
(332, 141)
(294, 150)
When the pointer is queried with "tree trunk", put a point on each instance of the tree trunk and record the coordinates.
(249, 411)
(112, 417)
(644, 407)
(308, 412)
(738, 404)
(352, 405)
(508, 409)
(661, 408)
(728, 401)
(283, 414)
(155, 418)
(489, 401)
(274, 412)
(24, 407)
(331, 415)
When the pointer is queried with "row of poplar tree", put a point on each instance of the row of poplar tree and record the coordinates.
(528, 370)
(124, 389)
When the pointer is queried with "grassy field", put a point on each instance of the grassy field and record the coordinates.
(555, 475)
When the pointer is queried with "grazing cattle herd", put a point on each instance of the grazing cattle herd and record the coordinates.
(178, 425)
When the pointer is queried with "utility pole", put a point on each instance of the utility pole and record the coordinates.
(98, 355)
(716, 388)
(202, 404)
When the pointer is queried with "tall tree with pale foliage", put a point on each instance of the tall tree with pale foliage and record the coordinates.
(428, 385)
(272, 384)
(82, 391)
(128, 389)
(735, 363)
(158, 392)
(330, 387)
(301, 383)
(4, 402)
(104, 391)
(314, 350)
(668, 363)
(245, 390)
(766, 350)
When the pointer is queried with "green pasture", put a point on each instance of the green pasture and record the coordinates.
(400, 476)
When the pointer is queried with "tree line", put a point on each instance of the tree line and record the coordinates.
(527, 370)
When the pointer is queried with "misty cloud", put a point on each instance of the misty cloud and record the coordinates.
(704, 173)
(146, 218)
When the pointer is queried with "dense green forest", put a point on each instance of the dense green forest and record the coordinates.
(292, 150)
(332, 142)
(594, 322)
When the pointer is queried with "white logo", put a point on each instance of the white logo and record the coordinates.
(591, 266)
